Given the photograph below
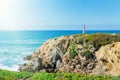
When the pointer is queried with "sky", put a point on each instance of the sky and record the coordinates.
(59, 14)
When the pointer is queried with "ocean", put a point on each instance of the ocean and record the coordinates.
(15, 45)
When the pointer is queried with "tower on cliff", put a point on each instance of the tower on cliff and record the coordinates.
(84, 29)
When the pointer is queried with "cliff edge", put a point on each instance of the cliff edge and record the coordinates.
(84, 53)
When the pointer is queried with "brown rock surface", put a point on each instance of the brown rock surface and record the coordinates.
(108, 58)
(55, 56)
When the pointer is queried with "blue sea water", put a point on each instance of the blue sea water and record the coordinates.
(14, 45)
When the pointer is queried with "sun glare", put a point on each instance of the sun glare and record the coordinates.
(6, 14)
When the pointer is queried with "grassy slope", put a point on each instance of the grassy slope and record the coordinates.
(9, 75)
(98, 39)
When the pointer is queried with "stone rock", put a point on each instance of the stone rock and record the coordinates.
(33, 65)
(54, 56)
(107, 57)
(90, 66)
(58, 64)
(78, 66)
(28, 57)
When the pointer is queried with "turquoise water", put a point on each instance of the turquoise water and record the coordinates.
(14, 45)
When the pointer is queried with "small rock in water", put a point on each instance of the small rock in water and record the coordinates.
(27, 57)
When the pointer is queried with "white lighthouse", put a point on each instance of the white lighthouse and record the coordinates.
(84, 29)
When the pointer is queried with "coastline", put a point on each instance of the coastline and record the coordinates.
(18, 44)
(71, 54)
(69, 49)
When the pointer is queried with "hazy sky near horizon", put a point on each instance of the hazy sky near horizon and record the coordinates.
(59, 14)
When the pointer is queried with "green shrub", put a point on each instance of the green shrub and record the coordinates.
(87, 54)
(72, 50)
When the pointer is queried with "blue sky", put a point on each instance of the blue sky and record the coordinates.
(59, 14)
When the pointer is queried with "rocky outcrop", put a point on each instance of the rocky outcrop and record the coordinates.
(33, 65)
(69, 54)
(50, 53)
(108, 58)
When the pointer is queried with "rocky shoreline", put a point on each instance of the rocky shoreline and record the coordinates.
(85, 54)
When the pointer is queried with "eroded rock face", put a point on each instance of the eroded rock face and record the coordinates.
(51, 53)
(33, 65)
(108, 59)
(54, 56)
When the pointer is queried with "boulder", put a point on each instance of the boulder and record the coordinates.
(108, 59)
(28, 57)
(33, 65)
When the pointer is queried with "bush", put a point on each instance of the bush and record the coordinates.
(87, 54)
(72, 50)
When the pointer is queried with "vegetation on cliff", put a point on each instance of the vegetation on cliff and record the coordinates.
(72, 54)
(72, 57)
(10, 75)
(98, 39)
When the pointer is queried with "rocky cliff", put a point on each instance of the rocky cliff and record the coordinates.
(84, 54)
(108, 58)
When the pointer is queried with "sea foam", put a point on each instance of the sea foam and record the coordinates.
(12, 52)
